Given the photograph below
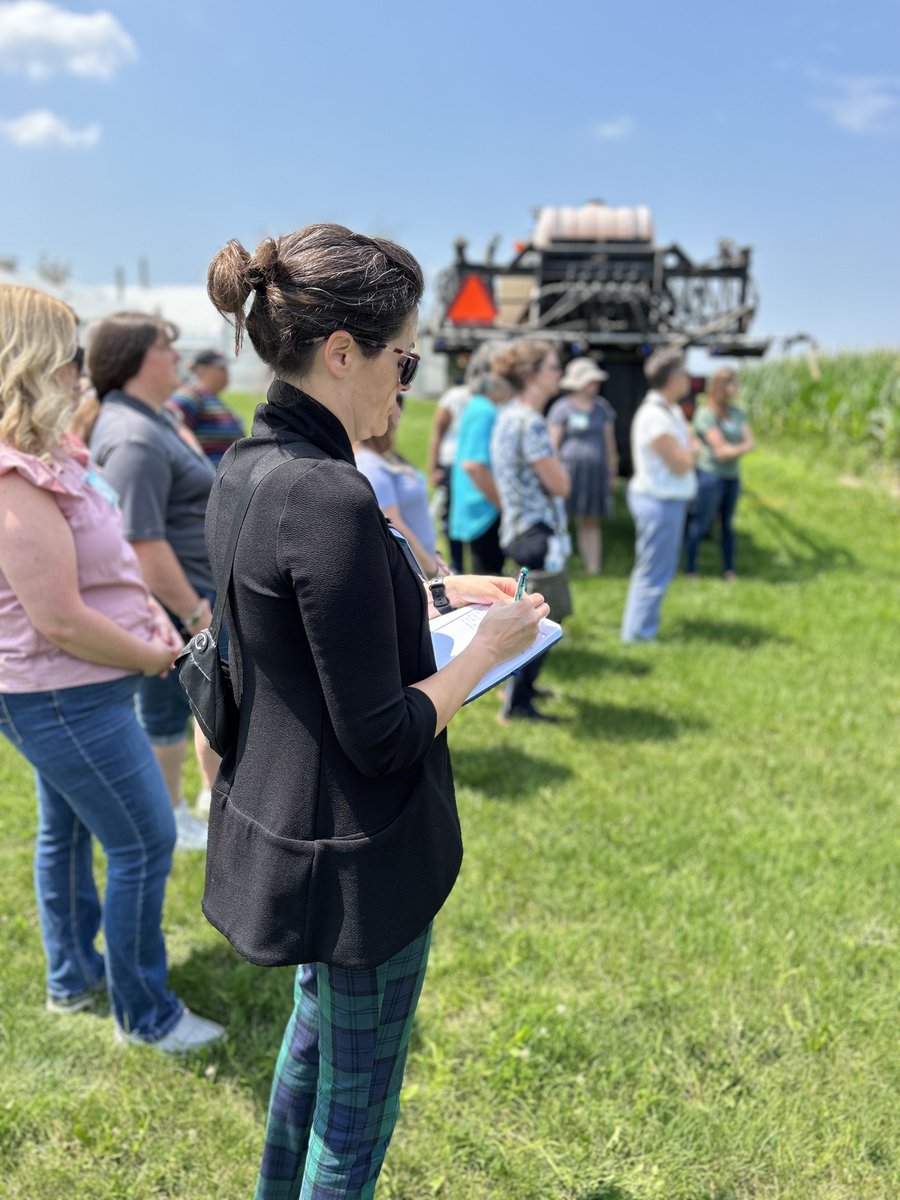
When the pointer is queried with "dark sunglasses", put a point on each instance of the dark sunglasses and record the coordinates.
(407, 366)
(78, 358)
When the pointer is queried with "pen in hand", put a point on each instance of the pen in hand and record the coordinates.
(520, 584)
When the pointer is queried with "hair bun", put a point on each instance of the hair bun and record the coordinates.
(260, 269)
(255, 277)
(231, 277)
(226, 280)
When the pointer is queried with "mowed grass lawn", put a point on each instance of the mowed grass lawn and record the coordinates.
(669, 968)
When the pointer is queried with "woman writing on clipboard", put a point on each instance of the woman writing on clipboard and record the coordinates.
(334, 837)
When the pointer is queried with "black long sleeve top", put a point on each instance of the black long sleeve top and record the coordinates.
(334, 835)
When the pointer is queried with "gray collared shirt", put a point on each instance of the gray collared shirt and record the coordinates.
(162, 484)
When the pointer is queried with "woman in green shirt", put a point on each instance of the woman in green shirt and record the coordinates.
(725, 437)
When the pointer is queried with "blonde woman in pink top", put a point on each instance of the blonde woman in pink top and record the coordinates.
(78, 630)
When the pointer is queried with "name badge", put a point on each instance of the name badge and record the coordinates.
(579, 422)
(98, 484)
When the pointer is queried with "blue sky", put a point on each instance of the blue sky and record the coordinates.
(162, 128)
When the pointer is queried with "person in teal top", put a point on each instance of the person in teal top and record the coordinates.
(725, 437)
(474, 502)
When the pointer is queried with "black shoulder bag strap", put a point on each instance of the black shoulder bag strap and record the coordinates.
(201, 672)
(266, 465)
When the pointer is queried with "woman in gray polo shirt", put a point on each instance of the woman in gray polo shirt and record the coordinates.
(163, 486)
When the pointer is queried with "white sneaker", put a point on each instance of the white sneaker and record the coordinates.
(191, 831)
(203, 801)
(189, 1033)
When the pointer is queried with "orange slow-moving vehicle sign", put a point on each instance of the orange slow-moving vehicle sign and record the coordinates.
(473, 304)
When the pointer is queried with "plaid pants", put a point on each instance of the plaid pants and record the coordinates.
(336, 1091)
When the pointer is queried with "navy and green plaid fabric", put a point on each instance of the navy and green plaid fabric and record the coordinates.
(336, 1092)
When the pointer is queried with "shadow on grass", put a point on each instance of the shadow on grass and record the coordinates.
(575, 662)
(743, 635)
(605, 1191)
(792, 553)
(610, 1191)
(505, 772)
(630, 724)
(253, 1003)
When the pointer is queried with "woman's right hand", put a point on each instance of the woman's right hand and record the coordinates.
(162, 627)
(159, 655)
(509, 629)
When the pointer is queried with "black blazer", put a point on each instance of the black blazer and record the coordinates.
(333, 833)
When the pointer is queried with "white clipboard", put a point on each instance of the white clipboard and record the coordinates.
(452, 632)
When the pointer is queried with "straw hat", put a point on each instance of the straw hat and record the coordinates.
(579, 373)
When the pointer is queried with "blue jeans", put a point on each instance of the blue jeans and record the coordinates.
(97, 777)
(162, 709)
(659, 526)
(715, 495)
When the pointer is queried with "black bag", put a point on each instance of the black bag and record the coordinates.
(206, 680)
(204, 676)
(554, 587)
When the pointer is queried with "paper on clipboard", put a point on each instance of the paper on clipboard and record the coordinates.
(452, 632)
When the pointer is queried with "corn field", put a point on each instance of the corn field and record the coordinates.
(844, 401)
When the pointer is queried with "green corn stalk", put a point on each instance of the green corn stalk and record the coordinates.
(855, 402)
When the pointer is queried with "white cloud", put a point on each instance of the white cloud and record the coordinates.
(39, 40)
(44, 128)
(859, 103)
(616, 128)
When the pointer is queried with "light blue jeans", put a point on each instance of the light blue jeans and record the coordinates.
(659, 526)
(97, 777)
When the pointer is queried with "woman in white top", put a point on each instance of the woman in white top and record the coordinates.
(664, 452)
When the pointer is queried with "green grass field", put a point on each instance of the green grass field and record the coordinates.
(669, 969)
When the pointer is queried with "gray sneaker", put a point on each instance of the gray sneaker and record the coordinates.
(191, 830)
(90, 998)
(189, 1033)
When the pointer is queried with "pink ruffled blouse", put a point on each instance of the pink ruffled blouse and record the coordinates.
(109, 575)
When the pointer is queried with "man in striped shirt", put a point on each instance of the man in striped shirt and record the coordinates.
(198, 408)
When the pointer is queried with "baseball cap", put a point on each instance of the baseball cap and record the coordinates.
(208, 358)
